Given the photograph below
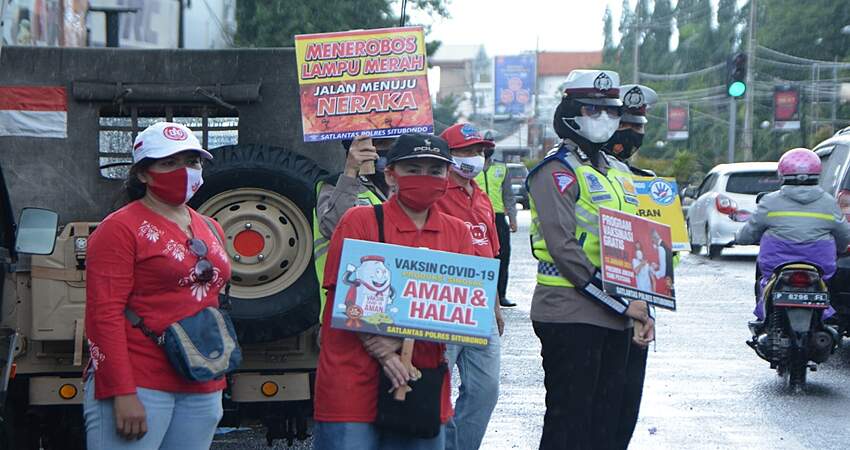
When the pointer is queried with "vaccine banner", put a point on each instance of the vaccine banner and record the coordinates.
(415, 293)
(786, 108)
(658, 200)
(677, 121)
(515, 78)
(637, 258)
(371, 82)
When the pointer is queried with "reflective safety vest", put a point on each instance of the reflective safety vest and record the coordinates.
(320, 243)
(491, 181)
(614, 190)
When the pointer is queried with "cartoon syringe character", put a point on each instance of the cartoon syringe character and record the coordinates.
(369, 293)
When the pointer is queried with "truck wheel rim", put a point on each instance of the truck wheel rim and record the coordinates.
(268, 239)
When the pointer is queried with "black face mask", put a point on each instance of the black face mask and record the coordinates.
(624, 143)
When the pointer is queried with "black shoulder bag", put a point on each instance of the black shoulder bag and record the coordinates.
(419, 414)
(201, 347)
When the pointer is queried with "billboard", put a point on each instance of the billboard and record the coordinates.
(658, 200)
(786, 108)
(370, 82)
(45, 23)
(677, 121)
(416, 293)
(514, 83)
(637, 258)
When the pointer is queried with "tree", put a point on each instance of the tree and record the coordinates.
(609, 50)
(813, 31)
(656, 46)
(274, 23)
(445, 112)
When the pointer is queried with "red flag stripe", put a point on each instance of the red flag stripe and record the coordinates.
(33, 98)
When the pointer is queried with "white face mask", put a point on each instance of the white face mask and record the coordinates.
(468, 166)
(639, 254)
(193, 183)
(598, 129)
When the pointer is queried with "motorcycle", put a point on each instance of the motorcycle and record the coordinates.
(793, 337)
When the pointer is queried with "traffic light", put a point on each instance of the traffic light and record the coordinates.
(736, 75)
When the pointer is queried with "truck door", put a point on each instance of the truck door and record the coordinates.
(7, 231)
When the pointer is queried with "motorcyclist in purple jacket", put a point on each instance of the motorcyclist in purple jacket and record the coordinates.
(798, 223)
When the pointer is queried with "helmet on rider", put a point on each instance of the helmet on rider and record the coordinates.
(799, 166)
(589, 112)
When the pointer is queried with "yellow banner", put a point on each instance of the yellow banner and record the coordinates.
(360, 55)
(658, 200)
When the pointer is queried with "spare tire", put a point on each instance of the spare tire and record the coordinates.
(263, 197)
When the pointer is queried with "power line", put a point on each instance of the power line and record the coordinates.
(803, 60)
(680, 76)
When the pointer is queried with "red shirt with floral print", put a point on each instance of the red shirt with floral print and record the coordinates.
(138, 259)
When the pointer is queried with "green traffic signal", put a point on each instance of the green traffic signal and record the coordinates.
(737, 89)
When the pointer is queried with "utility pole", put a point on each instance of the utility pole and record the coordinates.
(636, 51)
(747, 144)
(834, 94)
(733, 118)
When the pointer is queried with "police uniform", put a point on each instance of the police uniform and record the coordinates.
(335, 195)
(636, 100)
(495, 183)
(582, 330)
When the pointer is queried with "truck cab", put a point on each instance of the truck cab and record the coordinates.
(243, 105)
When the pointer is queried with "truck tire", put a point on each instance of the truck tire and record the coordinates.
(263, 197)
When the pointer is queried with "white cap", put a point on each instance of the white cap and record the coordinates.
(597, 87)
(164, 139)
(636, 100)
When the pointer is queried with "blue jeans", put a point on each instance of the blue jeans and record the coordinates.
(478, 392)
(366, 436)
(175, 421)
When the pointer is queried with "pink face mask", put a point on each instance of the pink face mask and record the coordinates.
(176, 187)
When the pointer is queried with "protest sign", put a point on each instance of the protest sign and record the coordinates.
(415, 293)
(658, 200)
(637, 259)
(371, 82)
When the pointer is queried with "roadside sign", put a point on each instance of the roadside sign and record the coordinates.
(677, 121)
(658, 200)
(515, 78)
(637, 258)
(786, 108)
(370, 82)
(416, 293)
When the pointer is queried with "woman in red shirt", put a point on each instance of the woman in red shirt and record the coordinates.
(161, 259)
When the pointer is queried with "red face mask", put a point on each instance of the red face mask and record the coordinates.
(420, 192)
(176, 187)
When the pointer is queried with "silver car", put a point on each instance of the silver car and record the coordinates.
(727, 187)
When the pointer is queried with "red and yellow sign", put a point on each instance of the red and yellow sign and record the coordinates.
(370, 82)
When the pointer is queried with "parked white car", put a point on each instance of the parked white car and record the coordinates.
(725, 188)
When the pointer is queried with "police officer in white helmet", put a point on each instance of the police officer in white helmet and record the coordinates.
(582, 330)
(621, 147)
(628, 138)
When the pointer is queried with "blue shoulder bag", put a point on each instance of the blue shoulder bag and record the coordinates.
(201, 347)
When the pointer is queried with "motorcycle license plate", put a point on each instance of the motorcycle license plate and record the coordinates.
(801, 298)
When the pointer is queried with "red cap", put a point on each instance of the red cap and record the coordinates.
(463, 135)
(371, 258)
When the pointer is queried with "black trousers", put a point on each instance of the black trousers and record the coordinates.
(503, 230)
(584, 373)
(635, 375)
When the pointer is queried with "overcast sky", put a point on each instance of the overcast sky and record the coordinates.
(508, 27)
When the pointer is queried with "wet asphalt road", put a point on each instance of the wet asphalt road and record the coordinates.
(705, 388)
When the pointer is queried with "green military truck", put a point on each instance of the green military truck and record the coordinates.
(244, 106)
